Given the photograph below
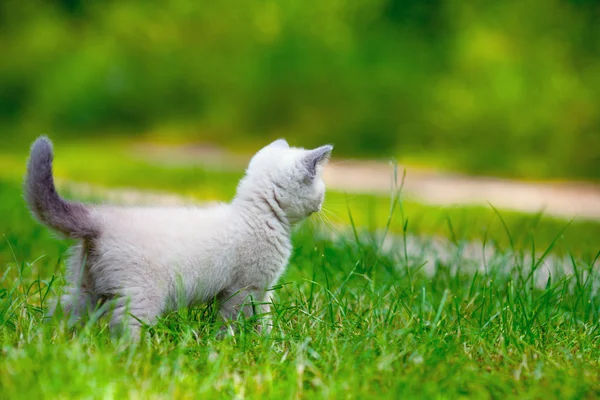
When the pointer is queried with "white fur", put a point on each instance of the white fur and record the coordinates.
(152, 260)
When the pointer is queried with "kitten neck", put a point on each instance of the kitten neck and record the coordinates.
(268, 206)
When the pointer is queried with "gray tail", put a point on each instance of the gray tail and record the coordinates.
(69, 218)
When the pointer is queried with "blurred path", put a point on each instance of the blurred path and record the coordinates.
(564, 200)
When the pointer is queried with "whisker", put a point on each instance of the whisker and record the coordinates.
(331, 214)
(328, 222)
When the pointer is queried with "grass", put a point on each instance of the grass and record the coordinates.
(356, 316)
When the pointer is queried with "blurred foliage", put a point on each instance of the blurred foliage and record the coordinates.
(510, 88)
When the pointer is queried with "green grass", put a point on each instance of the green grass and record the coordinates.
(353, 318)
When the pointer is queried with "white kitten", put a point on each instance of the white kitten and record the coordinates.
(149, 261)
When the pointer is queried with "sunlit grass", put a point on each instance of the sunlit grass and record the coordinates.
(351, 320)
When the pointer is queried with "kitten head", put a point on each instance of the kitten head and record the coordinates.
(287, 178)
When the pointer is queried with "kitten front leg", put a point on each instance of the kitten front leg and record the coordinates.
(245, 303)
(130, 312)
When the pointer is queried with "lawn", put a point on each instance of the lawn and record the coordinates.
(356, 316)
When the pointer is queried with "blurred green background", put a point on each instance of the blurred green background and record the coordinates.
(507, 88)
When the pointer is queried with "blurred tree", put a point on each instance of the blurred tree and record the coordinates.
(508, 88)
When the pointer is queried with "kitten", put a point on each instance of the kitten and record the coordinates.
(149, 261)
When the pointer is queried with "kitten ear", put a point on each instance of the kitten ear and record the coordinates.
(316, 157)
(279, 144)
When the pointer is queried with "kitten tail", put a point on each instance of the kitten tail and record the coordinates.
(69, 218)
